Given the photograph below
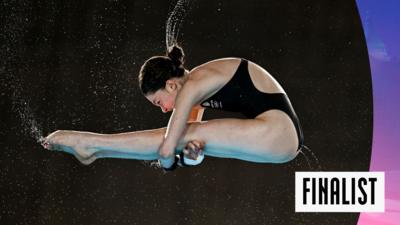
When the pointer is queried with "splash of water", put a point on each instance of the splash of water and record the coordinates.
(22, 108)
(311, 158)
(174, 21)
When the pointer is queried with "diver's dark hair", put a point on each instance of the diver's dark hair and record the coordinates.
(158, 69)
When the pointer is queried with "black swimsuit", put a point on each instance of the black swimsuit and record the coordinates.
(240, 95)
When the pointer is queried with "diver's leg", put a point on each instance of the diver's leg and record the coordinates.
(255, 140)
(88, 146)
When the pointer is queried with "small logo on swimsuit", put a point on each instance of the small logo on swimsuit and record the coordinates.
(205, 104)
(216, 105)
(213, 104)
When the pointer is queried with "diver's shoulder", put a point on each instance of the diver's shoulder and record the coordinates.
(217, 65)
(223, 61)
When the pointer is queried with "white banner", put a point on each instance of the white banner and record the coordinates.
(340, 192)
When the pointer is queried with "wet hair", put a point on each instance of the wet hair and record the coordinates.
(158, 69)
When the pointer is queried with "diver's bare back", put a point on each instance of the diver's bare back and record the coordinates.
(222, 70)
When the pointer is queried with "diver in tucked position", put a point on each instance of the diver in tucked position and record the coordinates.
(270, 134)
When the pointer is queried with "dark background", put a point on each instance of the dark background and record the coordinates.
(73, 65)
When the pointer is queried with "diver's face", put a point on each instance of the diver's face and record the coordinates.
(164, 98)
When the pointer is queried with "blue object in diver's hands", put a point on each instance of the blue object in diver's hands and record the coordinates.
(194, 162)
(193, 153)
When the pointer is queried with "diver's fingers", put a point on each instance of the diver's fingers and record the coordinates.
(186, 151)
(198, 144)
(190, 153)
(191, 146)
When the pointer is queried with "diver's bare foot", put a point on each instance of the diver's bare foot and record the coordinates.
(70, 142)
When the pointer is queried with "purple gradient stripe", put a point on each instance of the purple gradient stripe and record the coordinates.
(381, 22)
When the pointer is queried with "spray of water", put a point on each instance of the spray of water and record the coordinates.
(21, 106)
(12, 52)
(174, 22)
(311, 158)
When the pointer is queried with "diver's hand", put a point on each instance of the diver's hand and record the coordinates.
(193, 149)
(166, 154)
(166, 150)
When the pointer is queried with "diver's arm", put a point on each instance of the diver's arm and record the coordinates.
(184, 102)
(191, 94)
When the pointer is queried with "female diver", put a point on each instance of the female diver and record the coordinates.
(271, 132)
